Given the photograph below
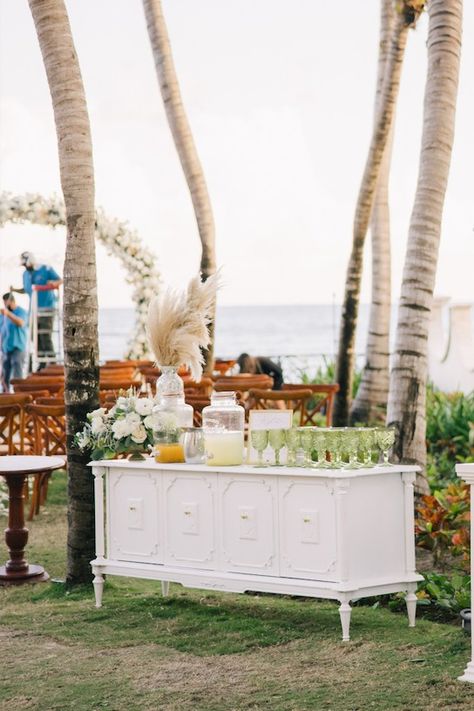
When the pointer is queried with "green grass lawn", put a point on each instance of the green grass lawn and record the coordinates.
(210, 651)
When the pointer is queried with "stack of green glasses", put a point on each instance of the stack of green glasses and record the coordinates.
(326, 447)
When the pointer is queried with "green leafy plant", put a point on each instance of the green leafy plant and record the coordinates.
(442, 523)
(326, 373)
(449, 594)
(449, 434)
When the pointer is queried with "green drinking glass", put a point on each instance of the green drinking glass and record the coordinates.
(292, 440)
(385, 439)
(319, 444)
(259, 441)
(366, 445)
(306, 439)
(350, 443)
(276, 440)
(334, 445)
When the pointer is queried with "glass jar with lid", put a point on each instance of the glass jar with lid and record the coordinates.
(223, 425)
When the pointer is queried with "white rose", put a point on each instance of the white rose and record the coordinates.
(144, 406)
(139, 434)
(149, 422)
(98, 413)
(98, 425)
(121, 428)
(133, 419)
(122, 403)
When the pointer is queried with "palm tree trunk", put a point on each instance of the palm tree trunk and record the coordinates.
(185, 146)
(407, 399)
(80, 287)
(372, 394)
(382, 128)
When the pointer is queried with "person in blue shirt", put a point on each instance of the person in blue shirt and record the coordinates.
(13, 331)
(41, 275)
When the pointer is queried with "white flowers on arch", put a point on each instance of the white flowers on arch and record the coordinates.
(119, 240)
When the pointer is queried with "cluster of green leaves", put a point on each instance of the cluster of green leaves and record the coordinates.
(449, 434)
(442, 523)
(448, 595)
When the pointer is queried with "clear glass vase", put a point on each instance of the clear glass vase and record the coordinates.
(169, 383)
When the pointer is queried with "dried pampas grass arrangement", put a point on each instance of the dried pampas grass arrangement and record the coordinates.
(178, 324)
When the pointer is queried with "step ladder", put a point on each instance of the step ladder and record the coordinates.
(35, 357)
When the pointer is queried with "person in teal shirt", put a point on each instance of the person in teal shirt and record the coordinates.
(41, 275)
(13, 333)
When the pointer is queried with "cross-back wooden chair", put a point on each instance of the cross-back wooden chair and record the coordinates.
(29, 385)
(10, 429)
(292, 399)
(243, 383)
(119, 384)
(201, 388)
(13, 434)
(321, 403)
(222, 366)
(50, 439)
(199, 403)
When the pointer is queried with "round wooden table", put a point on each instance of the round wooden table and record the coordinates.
(15, 470)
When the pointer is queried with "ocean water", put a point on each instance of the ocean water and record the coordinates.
(301, 337)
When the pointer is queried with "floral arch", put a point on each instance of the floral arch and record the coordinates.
(119, 240)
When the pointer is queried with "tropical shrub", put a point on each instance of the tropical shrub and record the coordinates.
(442, 523)
(449, 434)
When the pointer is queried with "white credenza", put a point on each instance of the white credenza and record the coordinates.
(338, 534)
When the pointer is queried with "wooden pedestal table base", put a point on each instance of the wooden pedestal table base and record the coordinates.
(15, 470)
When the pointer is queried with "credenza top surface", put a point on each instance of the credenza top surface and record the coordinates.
(248, 469)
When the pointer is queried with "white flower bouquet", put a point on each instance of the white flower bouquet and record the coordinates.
(127, 428)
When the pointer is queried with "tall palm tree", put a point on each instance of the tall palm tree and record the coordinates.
(407, 14)
(407, 398)
(80, 288)
(372, 394)
(184, 143)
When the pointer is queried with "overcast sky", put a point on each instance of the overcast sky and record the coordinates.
(280, 100)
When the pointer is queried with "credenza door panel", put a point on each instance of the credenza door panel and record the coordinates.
(307, 529)
(248, 508)
(189, 501)
(133, 518)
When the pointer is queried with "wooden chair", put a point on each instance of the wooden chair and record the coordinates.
(243, 382)
(50, 439)
(52, 385)
(125, 384)
(10, 429)
(49, 400)
(201, 388)
(321, 403)
(222, 366)
(198, 403)
(292, 399)
(13, 426)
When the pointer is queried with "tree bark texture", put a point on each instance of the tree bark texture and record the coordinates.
(380, 135)
(185, 146)
(80, 286)
(407, 399)
(371, 400)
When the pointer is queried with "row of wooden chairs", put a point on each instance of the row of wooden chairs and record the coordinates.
(28, 427)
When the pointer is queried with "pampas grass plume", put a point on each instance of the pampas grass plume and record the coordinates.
(178, 324)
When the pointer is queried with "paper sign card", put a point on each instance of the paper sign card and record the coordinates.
(270, 419)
